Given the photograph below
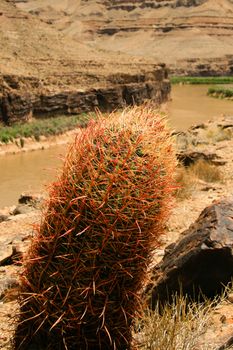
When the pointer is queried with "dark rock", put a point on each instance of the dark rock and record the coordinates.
(28, 202)
(12, 258)
(32, 199)
(198, 127)
(110, 99)
(206, 188)
(3, 217)
(5, 252)
(200, 261)
(189, 157)
(8, 289)
(108, 93)
(23, 209)
(227, 344)
(16, 107)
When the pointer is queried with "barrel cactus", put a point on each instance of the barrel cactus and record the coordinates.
(87, 264)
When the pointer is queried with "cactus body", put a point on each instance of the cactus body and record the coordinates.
(87, 264)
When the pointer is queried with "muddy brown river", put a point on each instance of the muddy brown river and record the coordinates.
(33, 170)
(191, 105)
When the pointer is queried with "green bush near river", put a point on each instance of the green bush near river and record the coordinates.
(202, 80)
(220, 92)
(45, 127)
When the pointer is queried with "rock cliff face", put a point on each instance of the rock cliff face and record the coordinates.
(23, 98)
(221, 66)
(171, 31)
(153, 4)
(44, 72)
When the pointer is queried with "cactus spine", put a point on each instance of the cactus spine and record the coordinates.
(87, 264)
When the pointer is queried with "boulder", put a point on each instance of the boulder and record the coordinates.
(190, 157)
(8, 288)
(201, 262)
(33, 199)
(28, 202)
(11, 256)
(22, 209)
(3, 217)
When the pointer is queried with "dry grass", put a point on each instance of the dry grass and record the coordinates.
(205, 171)
(219, 134)
(178, 327)
(187, 178)
(186, 183)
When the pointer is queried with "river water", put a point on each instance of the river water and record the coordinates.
(33, 170)
(190, 105)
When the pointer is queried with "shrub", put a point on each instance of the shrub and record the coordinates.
(46, 127)
(219, 134)
(201, 80)
(220, 92)
(187, 177)
(87, 264)
(186, 183)
(178, 326)
(206, 171)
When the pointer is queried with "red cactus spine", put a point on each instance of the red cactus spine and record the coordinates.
(87, 264)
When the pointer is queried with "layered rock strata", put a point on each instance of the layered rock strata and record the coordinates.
(22, 98)
(172, 31)
(203, 67)
(46, 72)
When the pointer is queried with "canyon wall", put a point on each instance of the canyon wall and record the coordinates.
(22, 98)
(170, 31)
(44, 72)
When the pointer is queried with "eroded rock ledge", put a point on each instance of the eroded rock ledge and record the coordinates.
(221, 66)
(23, 97)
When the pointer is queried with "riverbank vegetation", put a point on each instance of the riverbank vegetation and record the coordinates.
(202, 80)
(38, 127)
(220, 92)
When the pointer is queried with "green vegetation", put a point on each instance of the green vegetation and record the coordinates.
(88, 262)
(39, 127)
(220, 92)
(202, 80)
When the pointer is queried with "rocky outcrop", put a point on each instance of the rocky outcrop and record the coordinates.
(45, 72)
(201, 261)
(187, 158)
(153, 4)
(112, 92)
(204, 67)
(191, 36)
